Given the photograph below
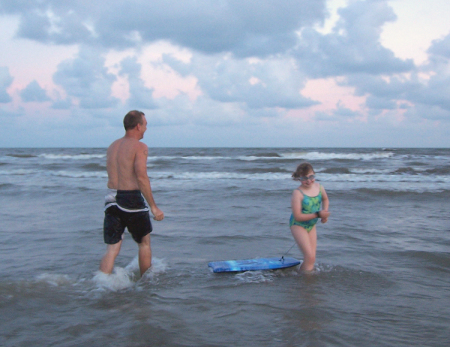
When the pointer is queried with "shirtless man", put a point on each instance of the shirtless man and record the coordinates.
(128, 183)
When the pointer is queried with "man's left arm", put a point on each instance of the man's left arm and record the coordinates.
(140, 168)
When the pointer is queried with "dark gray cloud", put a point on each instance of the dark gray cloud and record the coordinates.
(5, 82)
(87, 79)
(141, 97)
(33, 92)
(353, 47)
(246, 28)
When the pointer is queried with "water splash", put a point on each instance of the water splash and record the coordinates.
(128, 277)
(255, 277)
(120, 279)
(54, 279)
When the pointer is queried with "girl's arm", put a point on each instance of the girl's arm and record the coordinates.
(325, 200)
(296, 204)
(325, 205)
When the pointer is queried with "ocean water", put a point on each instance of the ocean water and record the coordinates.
(382, 275)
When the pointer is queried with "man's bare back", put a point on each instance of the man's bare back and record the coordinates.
(121, 158)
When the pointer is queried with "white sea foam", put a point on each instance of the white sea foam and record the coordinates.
(336, 156)
(304, 155)
(80, 174)
(71, 157)
(252, 158)
(18, 172)
(206, 158)
(356, 175)
(215, 175)
(153, 158)
(382, 171)
(371, 171)
(382, 178)
(189, 157)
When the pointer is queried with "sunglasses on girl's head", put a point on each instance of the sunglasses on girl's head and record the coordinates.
(305, 178)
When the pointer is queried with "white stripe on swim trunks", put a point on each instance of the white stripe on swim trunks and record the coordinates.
(110, 200)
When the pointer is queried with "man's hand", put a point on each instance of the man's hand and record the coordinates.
(157, 214)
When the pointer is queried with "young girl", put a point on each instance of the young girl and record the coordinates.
(306, 202)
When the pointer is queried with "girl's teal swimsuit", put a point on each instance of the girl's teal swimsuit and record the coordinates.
(310, 204)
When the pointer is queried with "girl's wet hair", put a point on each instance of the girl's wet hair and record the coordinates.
(302, 170)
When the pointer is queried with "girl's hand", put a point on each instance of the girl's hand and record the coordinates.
(324, 220)
(324, 214)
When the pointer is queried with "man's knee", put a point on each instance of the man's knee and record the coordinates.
(114, 249)
(145, 241)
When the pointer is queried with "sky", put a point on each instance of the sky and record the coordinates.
(226, 73)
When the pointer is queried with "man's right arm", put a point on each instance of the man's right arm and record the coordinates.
(140, 168)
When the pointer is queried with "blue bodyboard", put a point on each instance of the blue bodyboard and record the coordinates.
(252, 264)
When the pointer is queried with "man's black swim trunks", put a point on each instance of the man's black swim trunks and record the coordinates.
(127, 210)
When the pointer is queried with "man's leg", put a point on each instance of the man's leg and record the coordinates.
(107, 263)
(145, 254)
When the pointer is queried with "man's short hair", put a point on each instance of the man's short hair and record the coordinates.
(132, 119)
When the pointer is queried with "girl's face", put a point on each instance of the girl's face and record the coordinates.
(307, 180)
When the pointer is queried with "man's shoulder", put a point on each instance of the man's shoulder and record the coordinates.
(115, 143)
(141, 146)
(127, 146)
(139, 149)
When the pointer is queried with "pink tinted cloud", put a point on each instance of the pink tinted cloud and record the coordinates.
(330, 95)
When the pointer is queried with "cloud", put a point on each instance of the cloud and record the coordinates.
(33, 92)
(353, 46)
(339, 114)
(434, 93)
(245, 28)
(428, 93)
(430, 112)
(255, 83)
(440, 47)
(62, 104)
(377, 103)
(141, 97)
(5, 82)
(87, 79)
(225, 72)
